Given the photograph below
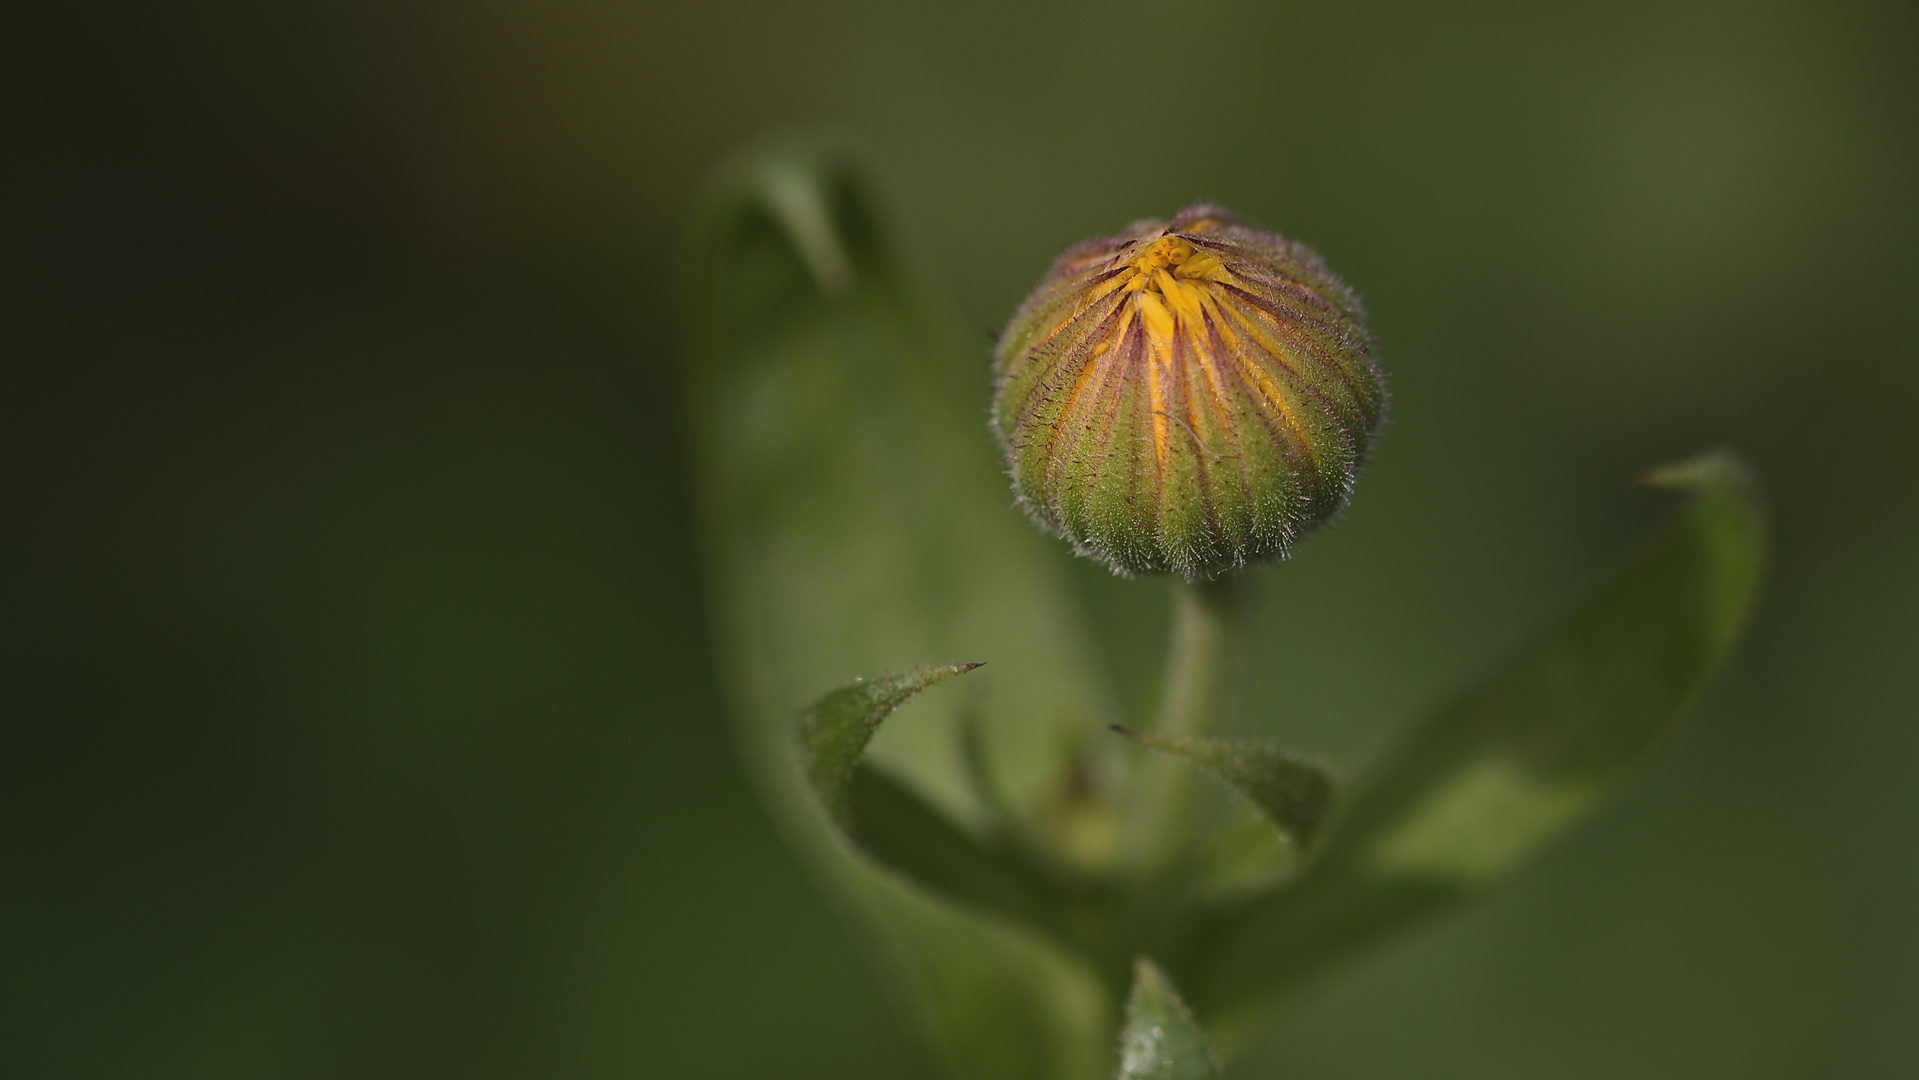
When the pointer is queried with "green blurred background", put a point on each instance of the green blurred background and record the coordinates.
(357, 714)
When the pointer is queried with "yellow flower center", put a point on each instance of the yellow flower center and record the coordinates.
(1168, 282)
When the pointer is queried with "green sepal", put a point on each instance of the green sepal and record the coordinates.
(1514, 761)
(1291, 792)
(1161, 1040)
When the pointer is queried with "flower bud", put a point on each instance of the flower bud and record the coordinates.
(1187, 397)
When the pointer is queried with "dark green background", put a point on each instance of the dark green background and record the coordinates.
(357, 716)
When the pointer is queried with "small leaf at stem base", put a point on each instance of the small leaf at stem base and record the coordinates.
(1161, 1040)
(1295, 794)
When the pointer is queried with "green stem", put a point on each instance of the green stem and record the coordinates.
(1210, 631)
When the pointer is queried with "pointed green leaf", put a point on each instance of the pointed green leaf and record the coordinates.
(1161, 1041)
(1514, 761)
(852, 517)
(833, 729)
(897, 827)
(886, 819)
(1295, 794)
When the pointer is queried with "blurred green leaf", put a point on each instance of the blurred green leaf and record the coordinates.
(851, 513)
(1294, 794)
(1515, 760)
(1161, 1041)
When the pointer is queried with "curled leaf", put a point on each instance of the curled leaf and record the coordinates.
(1518, 758)
(1295, 794)
(833, 729)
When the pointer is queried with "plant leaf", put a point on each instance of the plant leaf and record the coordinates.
(900, 830)
(1515, 760)
(1161, 1041)
(885, 818)
(852, 519)
(833, 729)
(1295, 794)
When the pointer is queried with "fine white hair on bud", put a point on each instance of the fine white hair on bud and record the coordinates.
(1187, 397)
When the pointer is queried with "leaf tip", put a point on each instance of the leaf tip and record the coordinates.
(1718, 469)
(1161, 1040)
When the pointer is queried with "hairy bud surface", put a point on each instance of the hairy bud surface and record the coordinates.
(1187, 397)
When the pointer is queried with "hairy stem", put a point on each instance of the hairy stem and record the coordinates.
(1210, 631)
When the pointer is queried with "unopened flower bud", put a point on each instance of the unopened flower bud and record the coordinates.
(1187, 397)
